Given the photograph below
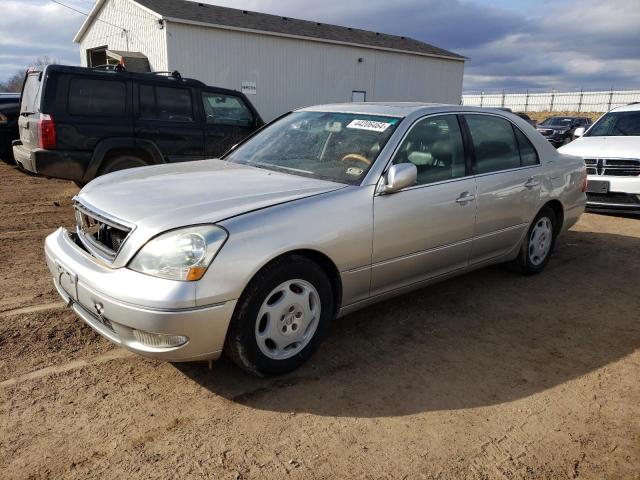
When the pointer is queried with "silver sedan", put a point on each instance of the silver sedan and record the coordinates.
(320, 213)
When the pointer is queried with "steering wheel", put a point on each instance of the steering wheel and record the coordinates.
(356, 157)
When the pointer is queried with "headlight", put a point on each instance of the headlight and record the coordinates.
(183, 254)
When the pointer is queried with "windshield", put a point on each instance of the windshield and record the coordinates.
(340, 147)
(617, 124)
(557, 122)
(30, 95)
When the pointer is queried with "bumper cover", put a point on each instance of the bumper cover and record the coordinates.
(77, 279)
(68, 165)
(622, 195)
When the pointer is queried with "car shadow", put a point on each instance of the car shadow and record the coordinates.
(485, 338)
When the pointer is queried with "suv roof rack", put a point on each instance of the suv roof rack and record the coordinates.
(175, 74)
(109, 67)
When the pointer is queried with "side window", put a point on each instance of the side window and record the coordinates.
(97, 97)
(528, 154)
(434, 146)
(494, 143)
(226, 110)
(174, 104)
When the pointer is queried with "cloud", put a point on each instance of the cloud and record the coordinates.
(513, 46)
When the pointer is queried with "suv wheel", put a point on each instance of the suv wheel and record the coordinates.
(121, 162)
(538, 244)
(281, 317)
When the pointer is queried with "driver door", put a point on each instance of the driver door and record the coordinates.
(425, 231)
(228, 121)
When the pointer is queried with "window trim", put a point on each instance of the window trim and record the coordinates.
(467, 173)
(125, 112)
(473, 151)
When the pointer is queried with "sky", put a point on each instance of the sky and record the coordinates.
(510, 45)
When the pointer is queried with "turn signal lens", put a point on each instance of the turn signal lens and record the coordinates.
(584, 182)
(159, 340)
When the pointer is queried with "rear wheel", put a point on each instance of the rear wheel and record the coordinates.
(538, 245)
(121, 162)
(281, 317)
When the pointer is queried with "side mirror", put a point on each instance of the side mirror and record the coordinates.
(399, 176)
(579, 132)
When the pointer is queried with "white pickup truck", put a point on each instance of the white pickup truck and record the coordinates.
(611, 152)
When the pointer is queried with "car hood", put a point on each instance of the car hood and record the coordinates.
(604, 147)
(162, 197)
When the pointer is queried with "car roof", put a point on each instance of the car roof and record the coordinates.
(632, 107)
(397, 109)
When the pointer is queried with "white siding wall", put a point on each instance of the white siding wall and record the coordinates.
(143, 33)
(292, 73)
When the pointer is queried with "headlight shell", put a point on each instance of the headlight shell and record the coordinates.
(183, 254)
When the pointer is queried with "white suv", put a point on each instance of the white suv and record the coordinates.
(611, 152)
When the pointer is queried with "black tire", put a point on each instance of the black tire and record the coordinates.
(121, 162)
(241, 345)
(79, 184)
(524, 263)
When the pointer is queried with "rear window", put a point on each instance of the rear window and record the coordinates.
(97, 97)
(30, 94)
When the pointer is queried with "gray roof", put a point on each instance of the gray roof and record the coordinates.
(231, 17)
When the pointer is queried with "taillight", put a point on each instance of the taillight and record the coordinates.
(584, 181)
(46, 132)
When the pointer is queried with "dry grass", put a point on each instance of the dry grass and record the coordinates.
(540, 116)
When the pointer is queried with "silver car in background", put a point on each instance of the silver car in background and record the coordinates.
(322, 212)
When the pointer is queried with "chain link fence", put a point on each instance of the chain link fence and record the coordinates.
(580, 101)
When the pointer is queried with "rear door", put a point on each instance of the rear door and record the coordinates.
(508, 177)
(30, 110)
(229, 120)
(166, 116)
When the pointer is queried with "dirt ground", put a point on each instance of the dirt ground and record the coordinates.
(490, 375)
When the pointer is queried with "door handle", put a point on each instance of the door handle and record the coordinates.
(532, 183)
(465, 197)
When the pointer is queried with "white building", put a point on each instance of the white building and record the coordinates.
(280, 62)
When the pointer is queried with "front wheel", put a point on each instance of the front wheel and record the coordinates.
(538, 245)
(281, 317)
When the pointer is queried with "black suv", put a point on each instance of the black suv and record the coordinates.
(78, 123)
(9, 107)
(559, 130)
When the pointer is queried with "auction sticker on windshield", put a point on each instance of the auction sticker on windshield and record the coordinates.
(369, 125)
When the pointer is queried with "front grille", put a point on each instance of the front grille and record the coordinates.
(101, 236)
(619, 198)
(617, 167)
